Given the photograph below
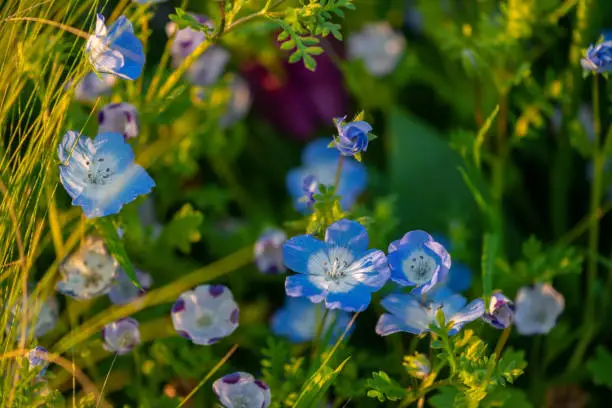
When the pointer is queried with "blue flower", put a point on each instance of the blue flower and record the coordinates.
(115, 50)
(242, 390)
(598, 57)
(119, 118)
(537, 309)
(340, 271)
(310, 185)
(121, 336)
(501, 311)
(408, 314)
(89, 272)
(206, 314)
(268, 251)
(100, 175)
(299, 321)
(352, 137)
(92, 86)
(40, 320)
(322, 163)
(36, 360)
(459, 277)
(418, 260)
(124, 291)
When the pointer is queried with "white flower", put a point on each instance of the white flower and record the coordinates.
(119, 118)
(537, 309)
(378, 45)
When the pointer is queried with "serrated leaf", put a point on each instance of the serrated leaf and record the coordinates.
(183, 229)
(114, 245)
(384, 387)
(600, 367)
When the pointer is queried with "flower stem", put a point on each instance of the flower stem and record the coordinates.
(451, 354)
(501, 342)
(67, 28)
(338, 174)
(317, 338)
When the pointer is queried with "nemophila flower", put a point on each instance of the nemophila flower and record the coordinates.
(417, 260)
(459, 278)
(121, 336)
(209, 66)
(124, 291)
(537, 309)
(268, 251)
(115, 50)
(242, 390)
(36, 361)
(408, 314)
(501, 311)
(310, 186)
(100, 174)
(598, 57)
(341, 270)
(119, 118)
(299, 319)
(378, 46)
(352, 137)
(41, 319)
(206, 314)
(322, 163)
(92, 86)
(89, 272)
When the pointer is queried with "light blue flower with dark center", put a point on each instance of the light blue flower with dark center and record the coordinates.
(299, 319)
(268, 251)
(100, 174)
(322, 163)
(124, 291)
(408, 314)
(418, 260)
(341, 270)
(242, 390)
(121, 336)
(92, 86)
(115, 50)
(206, 314)
(598, 57)
(537, 309)
(501, 311)
(352, 137)
(37, 361)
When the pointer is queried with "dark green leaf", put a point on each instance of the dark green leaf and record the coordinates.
(600, 367)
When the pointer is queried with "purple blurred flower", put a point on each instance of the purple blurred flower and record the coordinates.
(121, 336)
(124, 291)
(36, 361)
(501, 311)
(242, 390)
(269, 251)
(119, 118)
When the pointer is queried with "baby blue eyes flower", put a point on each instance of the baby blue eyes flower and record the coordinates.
(206, 314)
(459, 277)
(501, 311)
(100, 174)
(322, 163)
(341, 270)
(418, 260)
(92, 86)
(40, 322)
(119, 118)
(352, 137)
(311, 187)
(268, 251)
(88, 273)
(299, 320)
(378, 46)
(242, 390)
(121, 336)
(408, 314)
(537, 309)
(115, 50)
(598, 57)
(36, 361)
(124, 291)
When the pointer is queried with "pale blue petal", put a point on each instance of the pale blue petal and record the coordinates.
(114, 145)
(394, 246)
(453, 304)
(122, 38)
(356, 299)
(471, 312)
(348, 234)
(396, 260)
(317, 152)
(294, 181)
(73, 181)
(297, 252)
(396, 303)
(371, 269)
(459, 277)
(388, 324)
(416, 237)
(363, 126)
(303, 285)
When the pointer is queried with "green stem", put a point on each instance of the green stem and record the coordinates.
(338, 174)
(501, 342)
(451, 354)
(316, 340)
(64, 27)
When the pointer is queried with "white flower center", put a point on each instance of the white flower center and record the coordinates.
(241, 401)
(125, 340)
(100, 171)
(337, 262)
(205, 319)
(419, 267)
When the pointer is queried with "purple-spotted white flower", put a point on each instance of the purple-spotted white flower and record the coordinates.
(352, 138)
(36, 361)
(115, 50)
(408, 314)
(121, 336)
(92, 86)
(501, 311)
(89, 272)
(242, 390)
(341, 270)
(124, 291)
(378, 46)
(206, 314)
(268, 251)
(537, 309)
(417, 260)
(119, 118)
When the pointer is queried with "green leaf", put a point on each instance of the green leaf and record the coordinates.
(114, 244)
(314, 50)
(295, 57)
(600, 367)
(445, 398)
(310, 41)
(372, 136)
(288, 45)
(282, 36)
(490, 245)
(424, 174)
(480, 137)
(317, 385)
(384, 388)
(357, 156)
(309, 62)
(183, 229)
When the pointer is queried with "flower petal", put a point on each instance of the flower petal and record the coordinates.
(471, 312)
(348, 234)
(356, 299)
(305, 285)
(388, 324)
(317, 152)
(298, 250)
(371, 269)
